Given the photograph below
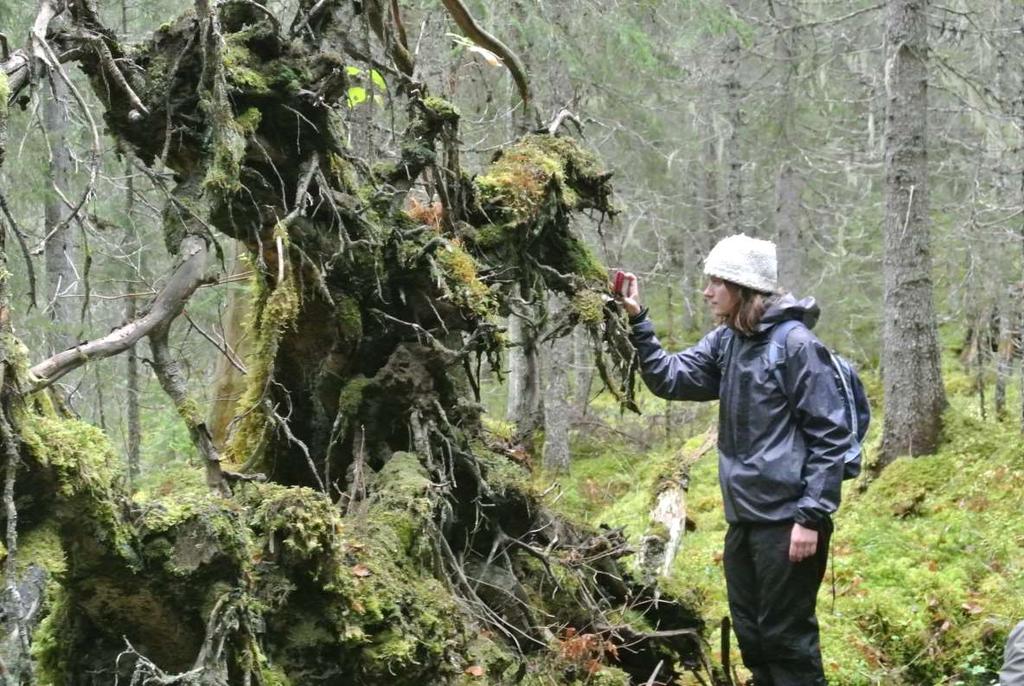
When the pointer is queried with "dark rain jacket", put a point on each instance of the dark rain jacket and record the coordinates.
(1012, 673)
(780, 449)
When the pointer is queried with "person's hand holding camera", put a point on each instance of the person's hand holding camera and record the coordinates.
(626, 290)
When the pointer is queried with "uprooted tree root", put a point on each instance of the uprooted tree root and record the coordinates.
(390, 543)
(421, 581)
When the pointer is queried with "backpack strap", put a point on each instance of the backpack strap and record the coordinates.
(725, 346)
(777, 349)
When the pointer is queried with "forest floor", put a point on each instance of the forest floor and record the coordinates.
(926, 575)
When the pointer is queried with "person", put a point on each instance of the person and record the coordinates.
(1012, 673)
(781, 449)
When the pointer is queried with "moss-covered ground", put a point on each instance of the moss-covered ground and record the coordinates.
(927, 571)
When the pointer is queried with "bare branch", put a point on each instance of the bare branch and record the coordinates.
(468, 24)
(30, 268)
(172, 380)
(183, 282)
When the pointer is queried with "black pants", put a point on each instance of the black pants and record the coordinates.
(772, 603)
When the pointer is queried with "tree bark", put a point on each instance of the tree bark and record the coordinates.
(583, 366)
(788, 230)
(1008, 85)
(789, 183)
(524, 393)
(60, 252)
(558, 357)
(228, 380)
(914, 395)
(1009, 315)
(132, 397)
(732, 152)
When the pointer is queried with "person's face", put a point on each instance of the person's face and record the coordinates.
(721, 299)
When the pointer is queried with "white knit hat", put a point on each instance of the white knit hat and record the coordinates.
(746, 261)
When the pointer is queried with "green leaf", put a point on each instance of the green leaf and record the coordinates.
(353, 71)
(356, 96)
(378, 80)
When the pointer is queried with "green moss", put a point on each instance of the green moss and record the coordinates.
(416, 153)
(588, 306)
(385, 618)
(519, 182)
(224, 172)
(84, 465)
(493, 236)
(350, 319)
(41, 546)
(51, 644)
(255, 663)
(300, 523)
(441, 107)
(404, 505)
(248, 121)
(500, 472)
(274, 312)
(580, 260)
(238, 61)
(387, 170)
(192, 527)
(342, 171)
(350, 402)
(19, 362)
(190, 411)
(467, 290)
(273, 676)
(5, 94)
(175, 477)
(284, 77)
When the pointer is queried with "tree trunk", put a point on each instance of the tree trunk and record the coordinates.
(914, 396)
(788, 188)
(228, 380)
(133, 443)
(60, 253)
(524, 392)
(583, 366)
(711, 220)
(789, 183)
(669, 521)
(558, 357)
(732, 153)
(133, 447)
(1008, 85)
(1009, 315)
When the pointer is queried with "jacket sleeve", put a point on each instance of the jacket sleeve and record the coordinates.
(821, 415)
(1013, 657)
(692, 374)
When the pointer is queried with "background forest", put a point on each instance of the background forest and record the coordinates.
(899, 207)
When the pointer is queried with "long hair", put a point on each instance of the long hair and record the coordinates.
(750, 307)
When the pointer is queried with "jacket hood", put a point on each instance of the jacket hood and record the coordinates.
(788, 307)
